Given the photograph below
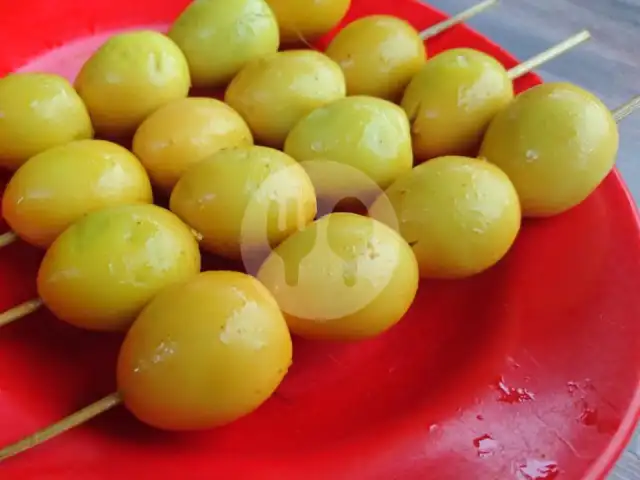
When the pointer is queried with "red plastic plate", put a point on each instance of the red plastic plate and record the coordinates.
(530, 371)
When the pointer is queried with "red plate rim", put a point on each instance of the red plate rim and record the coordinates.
(630, 422)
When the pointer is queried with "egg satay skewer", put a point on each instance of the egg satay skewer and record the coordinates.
(182, 133)
(130, 361)
(228, 207)
(133, 353)
(54, 188)
(209, 310)
(31, 106)
(128, 77)
(31, 306)
(155, 158)
(28, 103)
(247, 28)
(41, 199)
(379, 54)
(129, 251)
(349, 153)
(461, 214)
(338, 137)
(455, 95)
(457, 19)
(158, 388)
(557, 142)
(156, 155)
(261, 91)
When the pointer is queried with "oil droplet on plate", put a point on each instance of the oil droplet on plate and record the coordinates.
(537, 470)
(588, 416)
(592, 417)
(572, 387)
(513, 395)
(485, 445)
(512, 363)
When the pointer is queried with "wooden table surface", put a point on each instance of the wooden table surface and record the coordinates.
(608, 65)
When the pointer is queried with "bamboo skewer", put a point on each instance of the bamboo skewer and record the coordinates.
(544, 57)
(626, 109)
(20, 311)
(457, 19)
(7, 239)
(73, 420)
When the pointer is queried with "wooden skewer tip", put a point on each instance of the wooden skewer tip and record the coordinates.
(30, 306)
(7, 239)
(626, 109)
(52, 431)
(20, 311)
(548, 55)
(457, 19)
